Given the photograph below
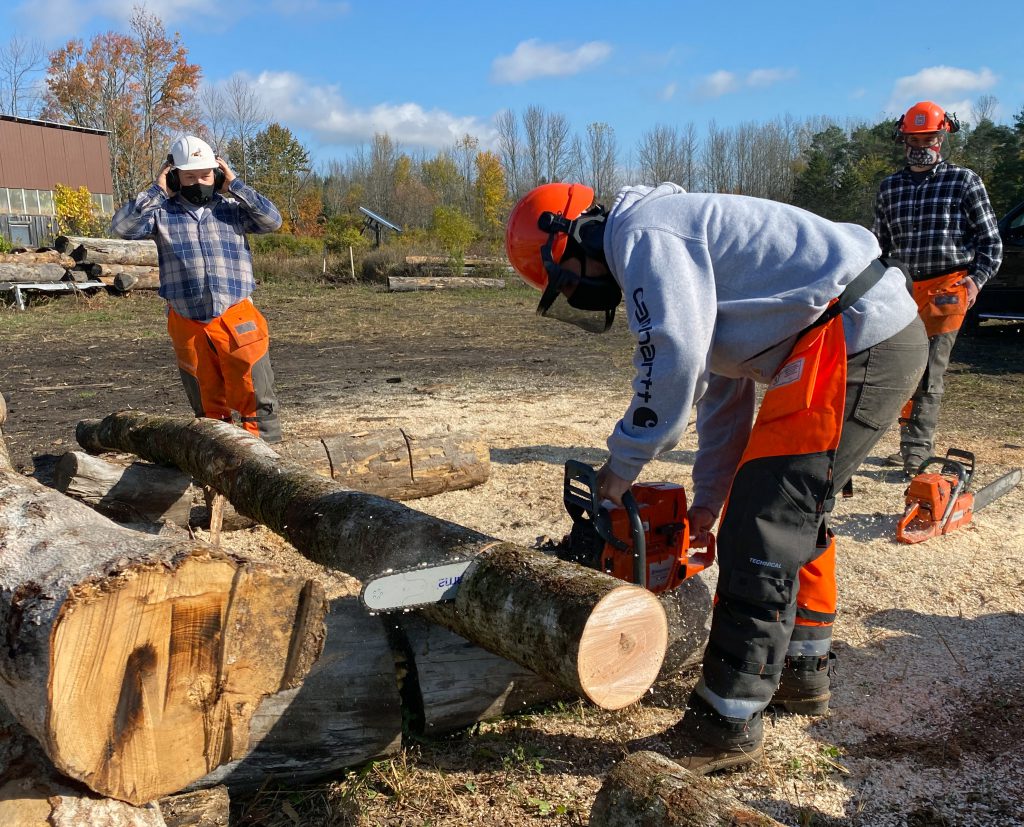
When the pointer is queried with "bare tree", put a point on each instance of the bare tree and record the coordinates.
(246, 115)
(510, 150)
(660, 155)
(717, 156)
(21, 61)
(596, 160)
(984, 108)
(216, 118)
(556, 145)
(533, 127)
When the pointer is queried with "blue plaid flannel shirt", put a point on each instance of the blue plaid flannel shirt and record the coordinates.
(205, 264)
(942, 224)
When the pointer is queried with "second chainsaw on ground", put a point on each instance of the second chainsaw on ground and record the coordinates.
(645, 541)
(939, 501)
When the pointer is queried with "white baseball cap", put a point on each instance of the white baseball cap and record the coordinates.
(190, 152)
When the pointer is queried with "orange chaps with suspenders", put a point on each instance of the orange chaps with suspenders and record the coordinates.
(225, 367)
(941, 302)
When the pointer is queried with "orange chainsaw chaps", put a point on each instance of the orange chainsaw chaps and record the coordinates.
(662, 507)
(927, 498)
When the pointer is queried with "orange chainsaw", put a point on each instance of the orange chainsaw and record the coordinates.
(937, 502)
(645, 541)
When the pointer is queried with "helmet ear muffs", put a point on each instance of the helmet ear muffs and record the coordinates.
(952, 122)
(897, 132)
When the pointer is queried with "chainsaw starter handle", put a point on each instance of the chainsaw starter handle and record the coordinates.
(636, 527)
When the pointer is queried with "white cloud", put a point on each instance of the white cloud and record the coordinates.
(945, 85)
(534, 59)
(323, 111)
(60, 19)
(668, 92)
(723, 82)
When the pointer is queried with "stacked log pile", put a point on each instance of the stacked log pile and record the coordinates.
(123, 265)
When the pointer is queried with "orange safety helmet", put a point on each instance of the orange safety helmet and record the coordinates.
(924, 117)
(552, 222)
(523, 236)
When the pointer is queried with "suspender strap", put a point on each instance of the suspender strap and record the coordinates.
(862, 282)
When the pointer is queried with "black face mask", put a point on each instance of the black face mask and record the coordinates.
(198, 194)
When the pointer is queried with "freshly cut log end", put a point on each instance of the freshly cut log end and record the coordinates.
(178, 663)
(622, 647)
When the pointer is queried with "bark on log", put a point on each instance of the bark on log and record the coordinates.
(649, 789)
(31, 273)
(448, 684)
(50, 257)
(202, 808)
(393, 463)
(34, 794)
(97, 270)
(137, 662)
(109, 250)
(467, 261)
(347, 711)
(581, 629)
(408, 284)
(76, 275)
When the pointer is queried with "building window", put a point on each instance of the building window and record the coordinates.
(31, 202)
(5, 205)
(17, 197)
(107, 202)
(45, 202)
(21, 235)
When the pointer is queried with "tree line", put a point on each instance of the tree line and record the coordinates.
(140, 87)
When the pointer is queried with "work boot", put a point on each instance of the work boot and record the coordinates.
(804, 689)
(704, 741)
(895, 460)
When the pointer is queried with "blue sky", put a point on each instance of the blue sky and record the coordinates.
(428, 72)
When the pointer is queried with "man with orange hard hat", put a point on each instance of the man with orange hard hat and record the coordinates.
(198, 212)
(936, 218)
(723, 292)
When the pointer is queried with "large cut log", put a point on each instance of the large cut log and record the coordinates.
(49, 257)
(581, 629)
(648, 789)
(109, 250)
(347, 711)
(141, 492)
(137, 662)
(448, 684)
(408, 284)
(393, 463)
(31, 273)
(123, 281)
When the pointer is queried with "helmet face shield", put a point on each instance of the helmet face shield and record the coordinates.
(587, 320)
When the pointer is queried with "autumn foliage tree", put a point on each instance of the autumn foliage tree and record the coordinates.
(139, 87)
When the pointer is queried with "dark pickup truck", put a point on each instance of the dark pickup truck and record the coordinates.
(1003, 295)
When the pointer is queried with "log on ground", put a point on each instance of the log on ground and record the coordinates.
(109, 250)
(31, 273)
(202, 808)
(649, 789)
(124, 281)
(393, 463)
(138, 662)
(49, 257)
(408, 284)
(581, 629)
(347, 711)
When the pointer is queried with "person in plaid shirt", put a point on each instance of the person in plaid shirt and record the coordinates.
(936, 218)
(198, 213)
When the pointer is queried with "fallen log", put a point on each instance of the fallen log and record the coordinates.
(123, 282)
(649, 789)
(138, 662)
(96, 270)
(49, 257)
(581, 629)
(31, 273)
(393, 463)
(109, 250)
(467, 261)
(408, 284)
(202, 808)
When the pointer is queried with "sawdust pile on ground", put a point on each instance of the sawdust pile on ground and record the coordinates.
(927, 700)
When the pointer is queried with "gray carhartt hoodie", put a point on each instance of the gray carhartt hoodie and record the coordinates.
(710, 281)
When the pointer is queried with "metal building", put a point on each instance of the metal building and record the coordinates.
(35, 156)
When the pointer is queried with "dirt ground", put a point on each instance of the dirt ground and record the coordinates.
(925, 725)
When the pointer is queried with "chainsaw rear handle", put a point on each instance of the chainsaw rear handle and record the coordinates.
(580, 496)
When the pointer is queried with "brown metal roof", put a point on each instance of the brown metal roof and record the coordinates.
(39, 155)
